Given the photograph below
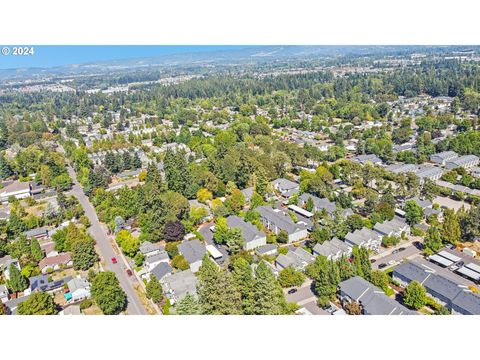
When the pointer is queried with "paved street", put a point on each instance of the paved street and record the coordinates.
(99, 233)
(409, 252)
(303, 295)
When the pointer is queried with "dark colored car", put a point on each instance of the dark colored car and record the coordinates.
(381, 266)
(372, 260)
(129, 272)
(114, 260)
(401, 249)
(418, 245)
(292, 291)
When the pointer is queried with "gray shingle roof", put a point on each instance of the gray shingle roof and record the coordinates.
(373, 300)
(469, 302)
(161, 270)
(249, 231)
(192, 251)
(147, 247)
(280, 218)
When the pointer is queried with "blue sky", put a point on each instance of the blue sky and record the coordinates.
(56, 55)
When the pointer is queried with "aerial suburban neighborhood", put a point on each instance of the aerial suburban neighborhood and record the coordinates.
(316, 182)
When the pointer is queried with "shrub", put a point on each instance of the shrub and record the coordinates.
(85, 304)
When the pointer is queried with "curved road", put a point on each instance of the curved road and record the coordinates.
(99, 233)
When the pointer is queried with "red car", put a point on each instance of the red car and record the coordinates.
(129, 272)
(114, 260)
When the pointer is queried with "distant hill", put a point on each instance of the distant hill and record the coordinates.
(232, 56)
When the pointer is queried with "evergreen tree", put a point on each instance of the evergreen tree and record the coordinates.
(5, 169)
(267, 293)
(327, 280)
(177, 174)
(244, 282)
(37, 253)
(216, 293)
(361, 262)
(235, 240)
(153, 178)
(345, 268)
(433, 240)
(451, 231)
(17, 281)
(126, 160)
(188, 306)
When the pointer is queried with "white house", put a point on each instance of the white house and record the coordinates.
(19, 190)
(79, 289)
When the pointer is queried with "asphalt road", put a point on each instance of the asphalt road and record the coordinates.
(409, 252)
(99, 233)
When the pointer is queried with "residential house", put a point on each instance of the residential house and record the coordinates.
(428, 172)
(277, 220)
(193, 251)
(266, 250)
(252, 236)
(38, 233)
(153, 260)
(149, 249)
(401, 168)
(197, 204)
(49, 249)
(5, 264)
(79, 289)
(394, 227)
(12, 304)
(297, 258)
(286, 187)
(367, 159)
(161, 270)
(365, 237)
(19, 190)
(465, 161)
(3, 293)
(318, 203)
(54, 263)
(248, 193)
(371, 299)
(71, 310)
(179, 284)
(456, 297)
(41, 283)
(333, 249)
(443, 157)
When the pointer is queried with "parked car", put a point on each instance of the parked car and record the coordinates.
(114, 260)
(372, 260)
(401, 249)
(382, 266)
(396, 251)
(129, 272)
(292, 291)
(418, 245)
